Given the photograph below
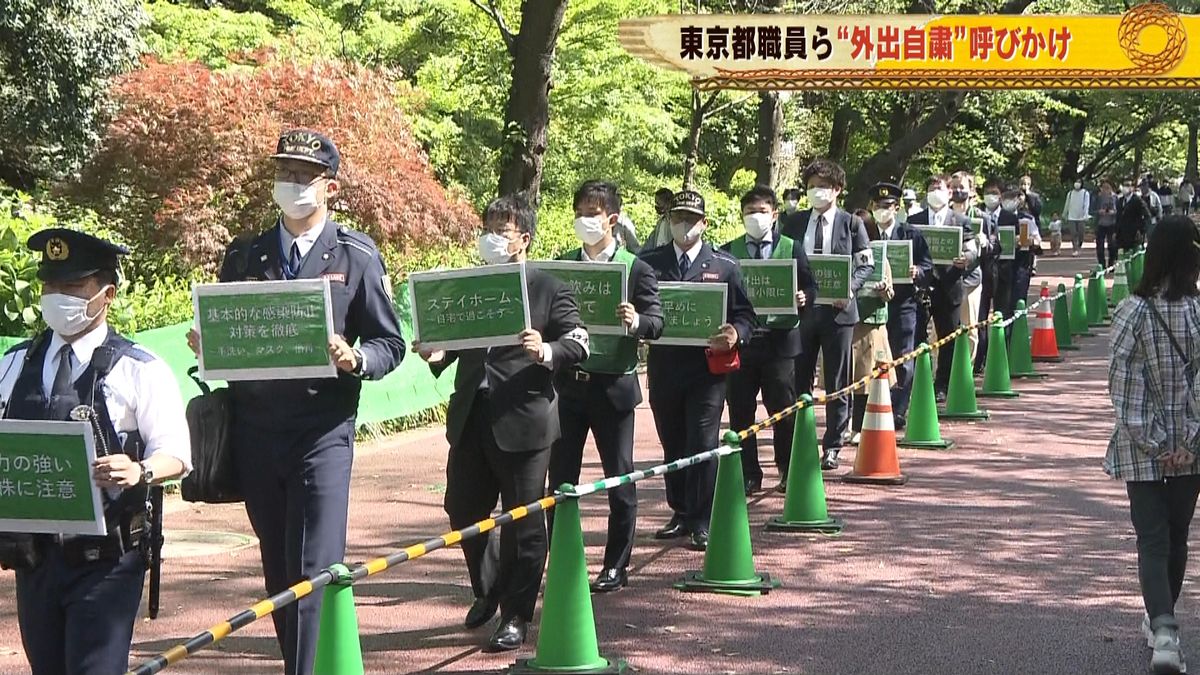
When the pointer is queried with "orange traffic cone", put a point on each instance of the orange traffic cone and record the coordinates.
(877, 462)
(1044, 347)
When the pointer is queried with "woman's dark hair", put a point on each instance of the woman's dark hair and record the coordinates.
(1172, 260)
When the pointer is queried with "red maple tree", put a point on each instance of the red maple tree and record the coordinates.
(184, 162)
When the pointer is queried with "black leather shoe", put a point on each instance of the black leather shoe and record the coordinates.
(899, 422)
(509, 635)
(698, 540)
(610, 579)
(480, 613)
(829, 459)
(941, 397)
(753, 486)
(673, 529)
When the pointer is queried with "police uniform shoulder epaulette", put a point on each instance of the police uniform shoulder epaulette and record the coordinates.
(724, 255)
(357, 241)
(140, 354)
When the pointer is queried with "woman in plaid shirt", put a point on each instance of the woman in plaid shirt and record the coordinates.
(1153, 447)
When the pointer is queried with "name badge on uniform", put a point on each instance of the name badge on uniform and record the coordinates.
(709, 276)
(335, 276)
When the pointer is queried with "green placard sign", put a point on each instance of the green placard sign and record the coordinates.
(598, 287)
(899, 256)
(46, 478)
(692, 312)
(469, 308)
(264, 330)
(832, 274)
(771, 285)
(945, 242)
(1008, 243)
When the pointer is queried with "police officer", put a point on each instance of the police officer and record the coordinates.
(78, 596)
(602, 393)
(686, 397)
(903, 307)
(293, 440)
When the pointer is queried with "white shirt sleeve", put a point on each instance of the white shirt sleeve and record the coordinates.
(159, 411)
(10, 368)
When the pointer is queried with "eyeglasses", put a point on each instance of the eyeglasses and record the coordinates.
(506, 231)
(299, 177)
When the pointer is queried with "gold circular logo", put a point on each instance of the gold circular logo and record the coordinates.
(1147, 24)
(56, 249)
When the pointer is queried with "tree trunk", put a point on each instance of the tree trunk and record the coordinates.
(1139, 156)
(891, 162)
(1070, 167)
(691, 155)
(770, 133)
(839, 137)
(527, 114)
(1190, 171)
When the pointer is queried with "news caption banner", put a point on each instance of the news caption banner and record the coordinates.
(264, 330)
(692, 312)
(474, 307)
(46, 484)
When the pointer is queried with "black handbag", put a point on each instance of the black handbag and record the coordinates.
(213, 478)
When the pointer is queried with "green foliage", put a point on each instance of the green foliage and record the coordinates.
(178, 32)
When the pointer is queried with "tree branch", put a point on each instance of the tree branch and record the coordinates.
(494, 12)
(722, 108)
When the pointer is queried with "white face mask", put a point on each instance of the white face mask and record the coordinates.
(1078, 185)
(820, 197)
(493, 248)
(67, 315)
(1009, 205)
(757, 224)
(991, 201)
(688, 236)
(883, 217)
(1126, 190)
(296, 200)
(937, 199)
(590, 229)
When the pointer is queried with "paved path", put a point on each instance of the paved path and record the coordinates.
(1010, 554)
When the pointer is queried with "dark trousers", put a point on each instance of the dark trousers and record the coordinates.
(613, 430)
(79, 620)
(946, 319)
(1161, 512)
(819, 331)
(477, 472)
(1106, 238)
(687, 413)
(297, 489)
(902, 333)
(774, 376)
(986, 296)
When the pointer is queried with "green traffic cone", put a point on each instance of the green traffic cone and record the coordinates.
(960, 399)
(1079, 310)
(1097, 300)
(1120, 289)
(338, 649)
(1138, 263)
(922, 428)
(729, 559)
(567, 636)
(1062, 320)
(1020, 356)
(804, 508)
(997, 382)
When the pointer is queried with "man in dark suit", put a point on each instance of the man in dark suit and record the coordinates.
(1133, 217)
(502, 420)
(826, 229)
(685, 396)
(946, 281)
(902, 308)
(991, 299)
(768, 362)
(600, 395)
(1014, 276)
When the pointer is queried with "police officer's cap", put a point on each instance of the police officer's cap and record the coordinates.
(69, 255)
(688, 201)
(308, 146)
(885, 193)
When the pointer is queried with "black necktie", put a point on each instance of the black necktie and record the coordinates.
(819, 241)
(684, 263)
(294, 260)
(62, 392)
(756, 250)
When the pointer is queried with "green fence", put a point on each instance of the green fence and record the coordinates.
(408, 390)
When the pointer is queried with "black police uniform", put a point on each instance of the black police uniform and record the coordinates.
(904, 307)
(989, 263)
(1013, 276)
(601, 395)
(768, 362)
(293, 440)
(685, 397)
(78, 596)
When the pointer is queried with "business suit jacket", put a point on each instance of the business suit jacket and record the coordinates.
(906, 294)
(947, 280)
(785, 342)
(849, 238)
(523, 406)
(625, 392)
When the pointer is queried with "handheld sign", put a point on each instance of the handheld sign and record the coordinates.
(46, 478)
(692, 312)
(771, 285)
(832, 274)
(469, 308)
(945, 242)
(598, 288)
(1008, 242)
(264, 330)
(899, 256)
